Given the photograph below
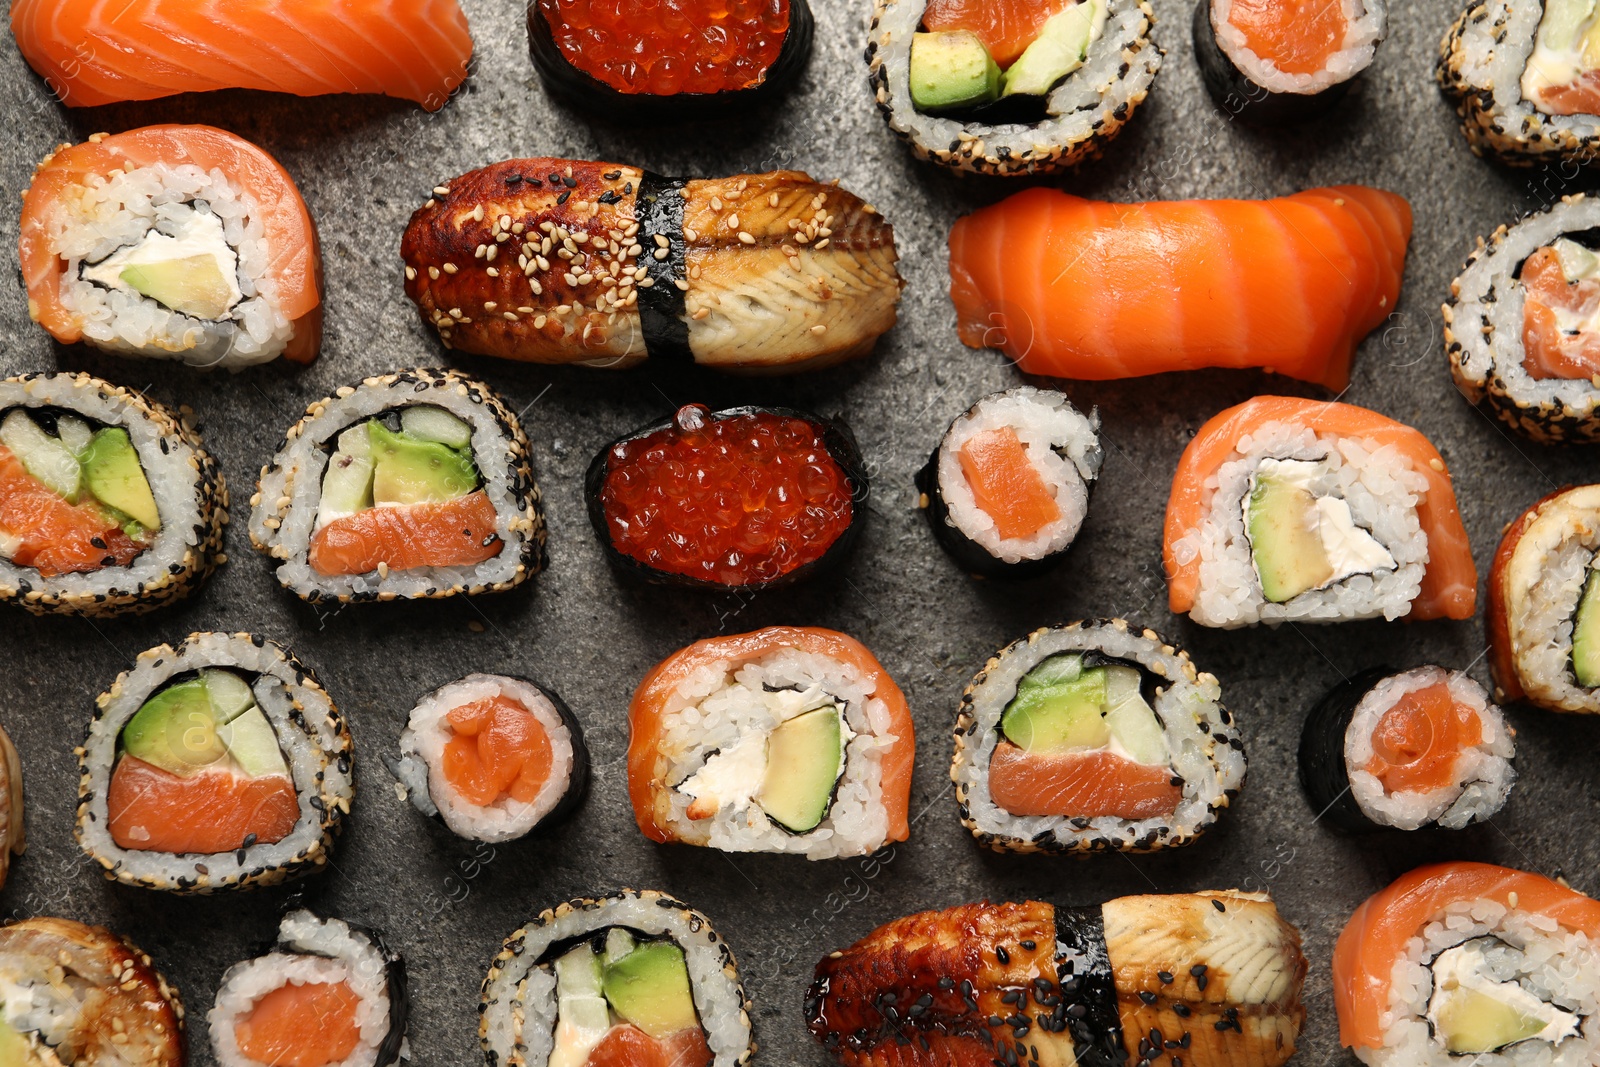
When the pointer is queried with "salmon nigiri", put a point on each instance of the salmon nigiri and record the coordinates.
(1074, 288)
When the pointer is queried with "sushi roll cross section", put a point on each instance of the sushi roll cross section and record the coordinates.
(13, 824)
(1313, 511)
(1213, 979)
(788, 739)
(81, 995)
(1406, 749)
(1282, 60)
(1093, 737)
(621, 981)
(172, 242)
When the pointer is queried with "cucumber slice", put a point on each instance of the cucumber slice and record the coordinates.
(253, 744)
(582, 1015)
(1132, 721)
(43, 456)
(74, 433)
(429, 423)
(356, 441)
(231, 696)
(618, 944)
(1060, 48)
(346, 487)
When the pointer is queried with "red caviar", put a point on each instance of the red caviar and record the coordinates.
(736, 500)
(666, 47)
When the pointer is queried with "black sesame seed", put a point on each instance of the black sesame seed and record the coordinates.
(612, 176)
(1198, 969)
(1165, 976)
(1200, 983)
(1181, 1010)
(562, 199)
(1147, 996)
(570, 182)
(1218, 905)
(1001, 954)
(1222, 1024)
(995, 1020)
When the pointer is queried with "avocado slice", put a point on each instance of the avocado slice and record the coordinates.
(805, 756)
(14, 1050)
(428, 423)
(409, 471)
(1472, 1022)
(111, 468)
(253, 744)
(193, 285)
(1586, 632)
(1060, 716)
(1284, 544)
(649, 987)
(1060, 48)
(176, 730)
(1562, 26)
(1472, 1012)
(43, 456)
(582, 1015)
(952, 70)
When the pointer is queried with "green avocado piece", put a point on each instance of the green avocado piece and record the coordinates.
(253, 744)
(1063, 715)
(428, 423)
(411, 471)
(649, 987)
(176, 730)
(111, 468)
(1473, 1023)
(43, 456)
(950, 70)
(193, 286)
(1060, 48)
(805, 756)
(1288, 553)
(1586, 633)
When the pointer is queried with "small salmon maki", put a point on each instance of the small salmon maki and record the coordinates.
(1074, 288)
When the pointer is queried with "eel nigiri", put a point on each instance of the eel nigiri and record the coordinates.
(560, 261)
(1075, 288)
(90, 53)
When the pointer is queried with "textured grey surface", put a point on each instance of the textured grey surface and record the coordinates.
(365, 163)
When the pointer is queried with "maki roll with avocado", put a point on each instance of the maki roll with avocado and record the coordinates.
(636, 977)
(108, 502)
(415, 484)
(1010, 87)
(493, 757)
(215, 765)
(329, 993)
(13, 826)
(1093, 737)
(1008, 487)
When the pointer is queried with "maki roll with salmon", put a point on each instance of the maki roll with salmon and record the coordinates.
(788, 739)
(109, 504)
(632, 978)
(218, 764)
(1272, 61)
(1008, 487)
(13, 825)
(80, 995)
(777, 496)
(1010, 88)
(563, 261)
(1198, 979)
(173, 242)
(493, 757)
(329, 993)
(1093, 737)
(1406, 749)
(1470, 963)
(1314, 511)
(414, 484)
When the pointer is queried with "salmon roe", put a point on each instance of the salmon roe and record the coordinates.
(664, 47)
(736, 500)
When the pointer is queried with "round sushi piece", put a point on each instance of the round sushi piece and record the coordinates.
(13, 826)
(218, 764)
(1011, 87)
(1093, 737)
(329, 993)
(81, 995)
(1271, 61)
(1406, 749)
(1522, 325)
(636, 977)
(493, 757)
(787, 739)
(173, 242)
(414, 484)
(1008, 487)
(779, 495)
(109, 504)
(1470, 963)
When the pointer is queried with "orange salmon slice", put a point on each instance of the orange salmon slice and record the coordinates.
(310, 1025)
(626, 1045)
(1006, 27)
(1547, 350)
(458, 533)
(1006, 485)
(57, 537)
(1296, 36)
(152, 810)
(1420, 739)
(499, 749)
(1088, 784)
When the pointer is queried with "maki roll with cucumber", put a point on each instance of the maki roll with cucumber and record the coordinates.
(1010, 87)
(215, 765)
(108, 502)
(329, 993)
(1093, 737)
(1273, 61)
(1008, 487)
(1407, 749)
(13, 825)
(493, 757)
(415, 484)
(633, 978)
(787, 739)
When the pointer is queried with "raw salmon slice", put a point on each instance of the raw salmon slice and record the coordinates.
(213, 811)
(1006, 485)
(458, 533)
(498, 748)
(57, 537)
(1547, 350)
(1089, 784)
(1006, 27)
(1420, 739)
(626, 1045)
(309, 1025)
(1296, 36)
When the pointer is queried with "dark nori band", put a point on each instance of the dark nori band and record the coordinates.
(1083, 968)
(968, 554)
(1323, 774)
(662, 317)
(1238, 95)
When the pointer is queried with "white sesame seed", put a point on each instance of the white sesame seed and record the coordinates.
(509, 316)
(433, 272)
(646, 283)
(681, 284)
(411, 274)
(489, 305)
(660, 253)
(533, 284)
(716, 204)
(479, 251)
(492, 272)
(700, 314)
(493, 251)
(746, 238)
(477, 213)
(822, 244)
(441, 190)
(538, 323)
(450, 268)
(525, 311)
(819, 328)
(570, 279)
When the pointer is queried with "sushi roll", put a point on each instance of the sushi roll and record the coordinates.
(328, 993)
(1008, 487)
(1470, 963)
(1093, 737)
(1544, 605)
(13, 826)
(414, 484)
(82, 996)
(1272, 61)
(218, 764)
(1406, 749)
(493, 757)
(636, 977)
(1522, 325)
(671, 63)
(1314, 511)
(173, 242)
(564, 261)
(1010, 88)
(1208, 979)
(781, 494)
(788, 739)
